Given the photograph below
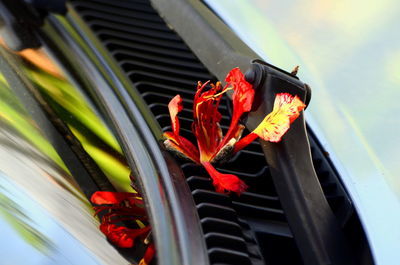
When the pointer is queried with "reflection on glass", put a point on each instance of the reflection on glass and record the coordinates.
(14, 115)
(22, 223)
(37, 230)
(76, 111)
(349, 51)
(44, 218)
(61, 99)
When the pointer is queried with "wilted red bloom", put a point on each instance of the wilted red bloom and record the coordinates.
(121, 236)
(212, 146)
(120, 206)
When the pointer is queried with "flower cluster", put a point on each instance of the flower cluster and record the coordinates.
(123, 207)
(212, 145)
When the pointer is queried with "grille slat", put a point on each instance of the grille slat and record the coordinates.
(120, 37)
(180, 58)
(230, 242)
(98, 23)
(130, 65)
(128, 20)
(257, 211)
(211, 224)
(132, 5)
(228, 256)
(145, 86)
(158, 78)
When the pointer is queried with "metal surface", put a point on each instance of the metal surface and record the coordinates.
(349, 52)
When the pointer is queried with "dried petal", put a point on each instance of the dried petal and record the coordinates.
(225, 153)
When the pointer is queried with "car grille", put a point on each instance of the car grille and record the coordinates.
(250, 229)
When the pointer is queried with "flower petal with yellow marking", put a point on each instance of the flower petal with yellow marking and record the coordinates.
(286, 109)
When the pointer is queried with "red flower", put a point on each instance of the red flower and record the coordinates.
(121, 206)
(212, 146)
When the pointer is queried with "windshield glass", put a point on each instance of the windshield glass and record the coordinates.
(349, 52)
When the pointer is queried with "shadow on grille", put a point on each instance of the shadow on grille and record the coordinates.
(250, 229)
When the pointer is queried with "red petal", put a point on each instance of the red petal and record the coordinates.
(148, 255)
(243, 94)
(206, 120)
(286, 109)
(108, 197)
(174, 107)
(116, 234)
(182, 146)
(112, 201)
(225, 182)
(200, 87)
(242, 99)
(245, 141)
(174, 141)
(122, 236)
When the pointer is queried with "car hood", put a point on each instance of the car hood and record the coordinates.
(349, 53)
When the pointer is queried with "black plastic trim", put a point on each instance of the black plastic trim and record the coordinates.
(174, 220)
(316, 230)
